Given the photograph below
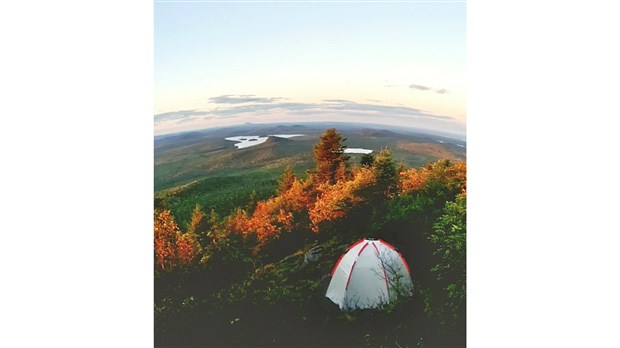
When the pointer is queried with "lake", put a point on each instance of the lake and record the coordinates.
(357, 150)
(244, 141)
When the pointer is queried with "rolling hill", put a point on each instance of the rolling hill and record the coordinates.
(186, 157)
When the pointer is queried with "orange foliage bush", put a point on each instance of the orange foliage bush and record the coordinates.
(328, 202)
(172, 249)
(237, 222)
(452, 175)
(275, 215)
(187, 249)
(335, 200)
(411, 180)
(165, 239)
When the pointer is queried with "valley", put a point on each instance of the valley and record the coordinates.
(247, 149)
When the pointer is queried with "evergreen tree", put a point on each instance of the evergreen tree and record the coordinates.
(367, 160)
(197, 220)
(286, 180)
(330, 158)
(253, 200)
(386, 172)
(198, 227)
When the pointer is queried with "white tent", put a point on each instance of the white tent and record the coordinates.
(370, 274)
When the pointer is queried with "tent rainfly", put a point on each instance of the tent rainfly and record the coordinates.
(370, 274)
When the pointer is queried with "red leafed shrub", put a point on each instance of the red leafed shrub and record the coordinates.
(172, 249)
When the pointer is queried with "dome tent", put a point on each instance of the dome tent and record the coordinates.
(370, 274)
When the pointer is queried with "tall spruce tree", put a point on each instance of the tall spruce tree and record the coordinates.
(387, 174)
(330, 158)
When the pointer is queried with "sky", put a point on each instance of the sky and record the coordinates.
(218, 64)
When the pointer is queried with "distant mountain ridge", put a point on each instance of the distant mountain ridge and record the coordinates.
(300, 126)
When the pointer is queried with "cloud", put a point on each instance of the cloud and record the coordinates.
(190, 119)
(258, 108)
(326, 109)
(380, 110)
(327, 106)
(426, 88)
(176, 115)
(242, 98)
(336, 101)
(420, 87)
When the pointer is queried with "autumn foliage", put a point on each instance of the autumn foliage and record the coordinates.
(172, 249)
(335, 201)
(444, 172)
(331, 192)
(275, 215)
(331, 162)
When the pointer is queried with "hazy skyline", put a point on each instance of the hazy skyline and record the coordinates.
(220, 64)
